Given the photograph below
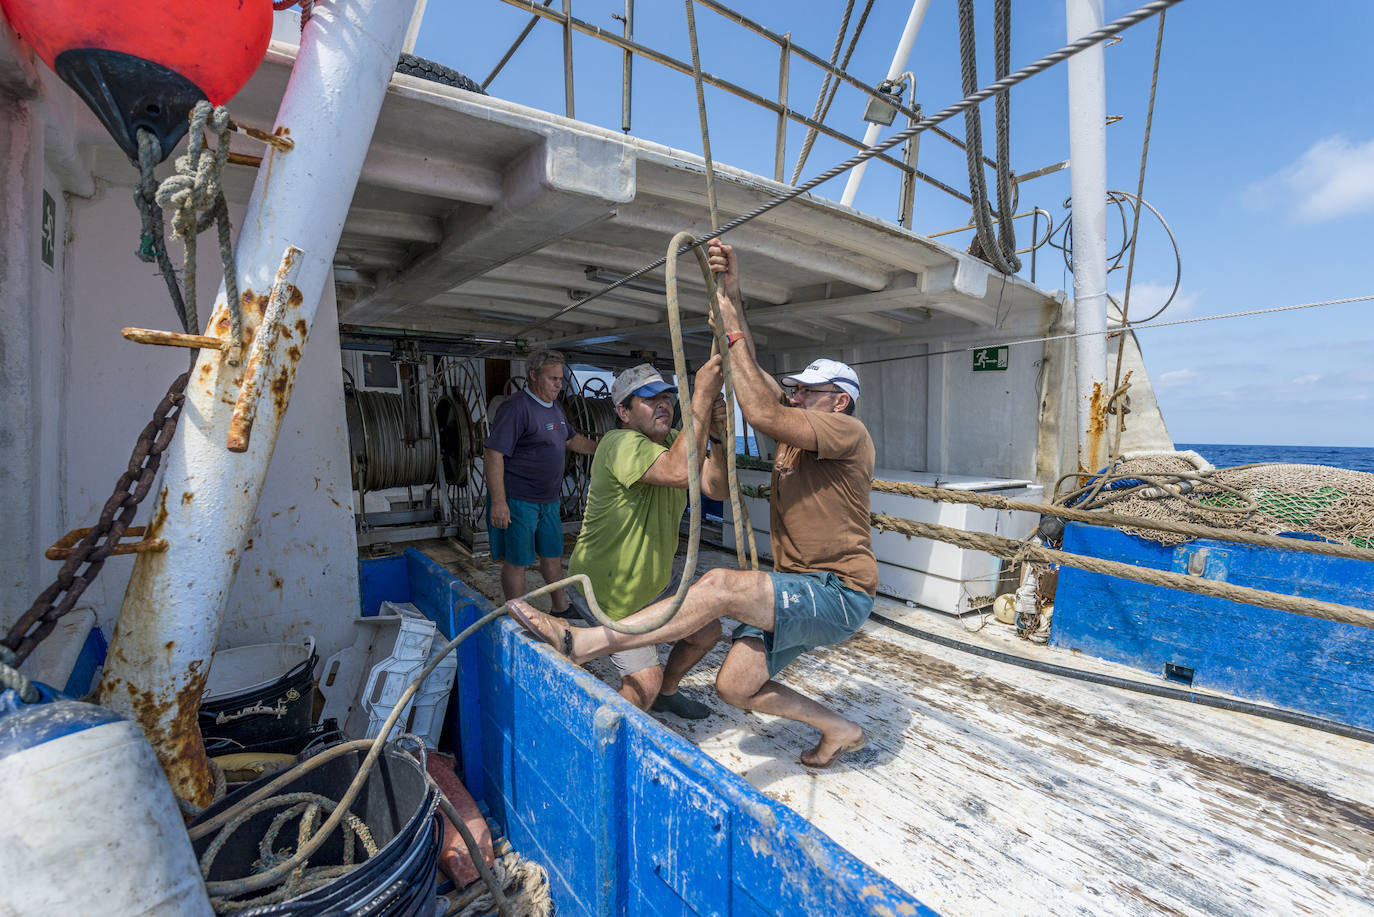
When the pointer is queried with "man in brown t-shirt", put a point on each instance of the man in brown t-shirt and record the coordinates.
(825, 574)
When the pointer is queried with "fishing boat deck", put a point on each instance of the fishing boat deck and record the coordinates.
(991, 788)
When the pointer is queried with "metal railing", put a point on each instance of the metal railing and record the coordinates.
(543, 9)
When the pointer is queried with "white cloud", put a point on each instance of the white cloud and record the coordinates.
(1308, 379)
(1176, 378)
(1334, 178)
(1146, 298)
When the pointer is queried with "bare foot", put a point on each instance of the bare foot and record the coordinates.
(543, 627)
(832, 745)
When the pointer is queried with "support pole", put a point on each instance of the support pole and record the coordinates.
(894, 72)
(169, 624)
(784, 80)
(627, 71)
(568, 107)
(1088, 182)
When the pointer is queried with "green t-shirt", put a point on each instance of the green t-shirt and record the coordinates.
(630, 529)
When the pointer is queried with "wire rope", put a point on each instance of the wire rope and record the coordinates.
(1135, 226)
(828, 88)
(1117, 330)
(388, 459)
(997, 247)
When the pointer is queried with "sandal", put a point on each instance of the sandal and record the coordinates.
(526, 616)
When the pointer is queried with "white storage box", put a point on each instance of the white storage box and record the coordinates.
(935, 574)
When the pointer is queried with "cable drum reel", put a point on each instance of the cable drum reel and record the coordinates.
(381, 454)
(591, 414)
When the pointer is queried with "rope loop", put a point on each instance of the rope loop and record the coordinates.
(11, 677)
(195, 196)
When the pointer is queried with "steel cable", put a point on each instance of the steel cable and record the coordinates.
(388, 460)
(828, 88)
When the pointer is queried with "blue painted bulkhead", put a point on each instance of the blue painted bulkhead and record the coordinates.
(1302, 663)
(626, 816)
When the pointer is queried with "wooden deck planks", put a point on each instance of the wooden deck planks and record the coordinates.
(989, 788)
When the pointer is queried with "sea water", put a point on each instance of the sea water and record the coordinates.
(1224, 456)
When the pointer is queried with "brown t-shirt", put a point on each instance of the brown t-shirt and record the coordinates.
(818, 514)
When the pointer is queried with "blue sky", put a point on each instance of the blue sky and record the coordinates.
(1261, 160)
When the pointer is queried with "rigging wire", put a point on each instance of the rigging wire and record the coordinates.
(1120, 199)
(1116, 26)
(1117, 330)
(829, 89)
(1120, 424)
(515, 45)
(1140, 196)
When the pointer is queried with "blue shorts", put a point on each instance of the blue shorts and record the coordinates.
(535, 529)
(809, 610)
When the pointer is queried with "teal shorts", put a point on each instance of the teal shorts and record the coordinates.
(809, 610)
(535, 530)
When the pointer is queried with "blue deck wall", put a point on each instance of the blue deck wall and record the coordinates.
(1301, 663)
(627, 817)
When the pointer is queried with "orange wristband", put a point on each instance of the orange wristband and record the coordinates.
(730, 339)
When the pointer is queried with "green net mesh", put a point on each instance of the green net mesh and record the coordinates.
(1336, 504)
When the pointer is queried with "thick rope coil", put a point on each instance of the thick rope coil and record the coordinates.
(11, 677)
(998, 247)
(151, 244)
(744, 529)
(196, 199)
(1010, 548)
(526, 885)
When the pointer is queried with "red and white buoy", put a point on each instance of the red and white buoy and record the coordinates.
(143, 65)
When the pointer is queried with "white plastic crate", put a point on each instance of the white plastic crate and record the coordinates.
(363, 683)
(425, 714)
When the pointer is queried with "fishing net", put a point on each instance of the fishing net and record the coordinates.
(1335, 504)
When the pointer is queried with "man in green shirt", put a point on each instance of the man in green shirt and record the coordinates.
(635, 500)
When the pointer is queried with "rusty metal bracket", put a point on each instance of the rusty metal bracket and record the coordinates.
(171, 339)
(276, 139)
(65, 546)
(264, 345)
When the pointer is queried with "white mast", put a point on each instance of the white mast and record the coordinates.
(1088, 181)
(894, 72)
(170, 620)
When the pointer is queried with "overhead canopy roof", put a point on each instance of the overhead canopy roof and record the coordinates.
(480, 218)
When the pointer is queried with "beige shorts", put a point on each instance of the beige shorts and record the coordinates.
(626, 662)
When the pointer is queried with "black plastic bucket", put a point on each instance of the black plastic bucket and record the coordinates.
(264, 714)
(399, 807)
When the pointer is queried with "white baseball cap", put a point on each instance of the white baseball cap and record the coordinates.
(642, 380)
(833, 371)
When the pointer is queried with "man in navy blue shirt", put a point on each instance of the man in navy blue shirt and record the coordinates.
(524, 456)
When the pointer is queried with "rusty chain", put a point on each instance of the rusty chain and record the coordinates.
(115, 518)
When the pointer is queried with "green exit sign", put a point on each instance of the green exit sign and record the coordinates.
(990, 359)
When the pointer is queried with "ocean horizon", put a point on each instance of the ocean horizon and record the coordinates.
(1226, 455)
